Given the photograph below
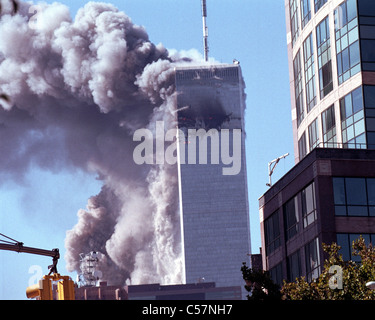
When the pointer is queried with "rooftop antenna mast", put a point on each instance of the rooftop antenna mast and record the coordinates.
(271, 167)
(205, 29)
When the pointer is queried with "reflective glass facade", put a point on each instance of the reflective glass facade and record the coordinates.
(332, 47)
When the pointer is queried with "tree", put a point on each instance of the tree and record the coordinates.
(259, 284)
(355, 275)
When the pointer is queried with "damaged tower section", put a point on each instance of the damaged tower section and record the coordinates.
(214, 207)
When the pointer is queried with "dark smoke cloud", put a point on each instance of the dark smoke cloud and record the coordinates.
(73, 93)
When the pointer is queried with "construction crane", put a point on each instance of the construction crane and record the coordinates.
(43, 289)
(14, 245)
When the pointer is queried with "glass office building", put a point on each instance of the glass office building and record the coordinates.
(329, 195)
(331, 49)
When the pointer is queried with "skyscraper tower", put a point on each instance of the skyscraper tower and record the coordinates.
(331, 45)
(212, 190)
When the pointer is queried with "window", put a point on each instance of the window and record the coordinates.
(318, 4)
(272, 233)
(313, 134)
(345, 241)
(369, 101)
(324, 58)
(354, 196)
(347, 43)
(294, 266)
(308, 54)
(302, 150)
(298, 88)
(305, 12)
(352, 120)
(366, 8)
(308, 205)
(294, 19)
(291, 217)
(312, 260)
(368, 51)
(276, 274)
(329, 127)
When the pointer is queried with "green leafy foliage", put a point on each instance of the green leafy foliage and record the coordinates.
(354, 277)
(352, 286)
(260, 285)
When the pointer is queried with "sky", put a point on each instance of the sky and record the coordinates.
(41, 210)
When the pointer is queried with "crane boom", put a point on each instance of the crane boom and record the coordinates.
(19, 247)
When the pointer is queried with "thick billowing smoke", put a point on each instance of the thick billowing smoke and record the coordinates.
(75, 93)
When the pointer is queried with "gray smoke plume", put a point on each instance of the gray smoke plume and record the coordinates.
(77, 92)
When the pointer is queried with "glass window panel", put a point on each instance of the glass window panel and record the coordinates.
(358, 116)
(294, 266)
(367, 238)
(341, 16)
(370, 124)
(294, 19)
(318, 4)
(338, 46)
(342, 110)
(353, 35)
(353, 237)
(368, 48)
(361, 141)
(312, 259)
(327, 76)
(369, 92)
(272, 233)
(346, 75)
(370, 113)
(322, 34)
(276, 274)
(348, 105)
(352, 9)
(302, 146)
(371, 191)
(359, 127)
(357, 99)
(371, 211)
(356, 191)
(349, 121)
(345, 60)
(305, 12)
(371, 140)
(339, 63)
(308, 199)
(354, 54)
(344, 136)
(350, 133)
(344, 42)
(367, 32)
(343, 242)
(339, 190)
(366, 7)
(340, 210)
(357, 211)
(355, 69)
(291, 214)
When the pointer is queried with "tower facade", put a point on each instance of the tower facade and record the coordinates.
(212, 173)
(331, 45)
